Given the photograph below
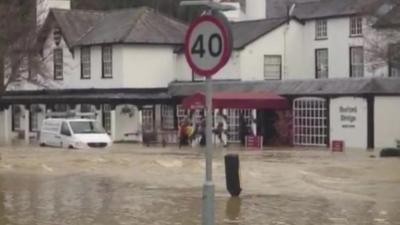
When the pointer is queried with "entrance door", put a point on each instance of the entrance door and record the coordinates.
(148, 119)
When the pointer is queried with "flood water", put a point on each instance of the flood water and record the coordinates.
(135, 185)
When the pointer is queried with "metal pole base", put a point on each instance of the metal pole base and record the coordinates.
(208, 203)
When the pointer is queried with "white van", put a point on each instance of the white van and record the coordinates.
(73, 133)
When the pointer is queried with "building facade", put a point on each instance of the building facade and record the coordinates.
(329, 58)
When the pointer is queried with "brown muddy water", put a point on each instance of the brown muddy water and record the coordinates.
(129, 184)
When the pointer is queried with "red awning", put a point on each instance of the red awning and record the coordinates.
(250, 100)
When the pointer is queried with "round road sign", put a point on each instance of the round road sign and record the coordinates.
(207, 46)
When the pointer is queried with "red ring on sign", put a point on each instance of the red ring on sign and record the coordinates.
(225, 55)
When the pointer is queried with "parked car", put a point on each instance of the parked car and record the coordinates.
(73, 133)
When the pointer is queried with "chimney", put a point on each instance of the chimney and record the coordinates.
(43, 7)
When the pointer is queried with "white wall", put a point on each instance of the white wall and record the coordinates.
(386, 121)
(348, 121)
(126, 123)
(252, 56)
(146, 66)
(338, 44)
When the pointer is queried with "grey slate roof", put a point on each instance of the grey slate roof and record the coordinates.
(332, 8)
(75, 23)
(319, 87)
(391, 19)
(249, 31)
(135, 25)
(138, 25)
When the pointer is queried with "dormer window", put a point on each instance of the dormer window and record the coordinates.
(356, 26)
(321, 29)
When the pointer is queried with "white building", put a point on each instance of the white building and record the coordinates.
(128, 65)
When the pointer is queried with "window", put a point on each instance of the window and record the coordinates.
(272, 67)
(148, 118)
(58, 63)
(107, 118)
(85, 63)
(356, 62)
(321, 29)
(355, 26)
(106, 53)
(60, 108)
(16, 117)
(321, 63)
(86, 108)
(310, 122)
(65, 129)
(167, 117)
(394, 60)
(34, 117)
(233, 122)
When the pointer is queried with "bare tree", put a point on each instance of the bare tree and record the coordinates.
(18, 43)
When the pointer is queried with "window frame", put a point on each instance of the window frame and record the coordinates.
(58, 67)
(395, 47)
(317, 64)
(86, 61)
(280, 67)
(321, 27)
(356, 25)
(351, 72)
(14, 116)
(103, 62)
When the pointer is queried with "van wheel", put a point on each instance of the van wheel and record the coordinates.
(42, 145)
(70, 147)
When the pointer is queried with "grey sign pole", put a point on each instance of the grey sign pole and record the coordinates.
(208, 188)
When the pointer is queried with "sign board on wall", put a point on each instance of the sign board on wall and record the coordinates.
(348, 121)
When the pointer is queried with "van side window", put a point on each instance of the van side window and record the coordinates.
(65, 129)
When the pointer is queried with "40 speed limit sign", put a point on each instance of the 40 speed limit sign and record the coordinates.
(207, 45)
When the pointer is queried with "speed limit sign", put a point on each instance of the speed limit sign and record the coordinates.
(207, 45)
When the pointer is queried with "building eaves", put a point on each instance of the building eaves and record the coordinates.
(247, 32)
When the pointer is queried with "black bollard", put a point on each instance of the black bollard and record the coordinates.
(232, 174)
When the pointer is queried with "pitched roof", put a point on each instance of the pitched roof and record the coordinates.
(331, 8)
(317, 87)
(248, 31)
(136, 25)
(391, 19)
(75, 23)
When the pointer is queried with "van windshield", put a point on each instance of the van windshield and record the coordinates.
(86, 127)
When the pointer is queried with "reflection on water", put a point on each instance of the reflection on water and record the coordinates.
(233, 209)
(86, 200)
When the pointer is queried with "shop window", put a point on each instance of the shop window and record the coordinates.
(148, 118)
(167, 117)
(16, 117)
(86, 108)
(106, 118)
(233, 122)
(34, 117)
(310, 122)
(356, 62)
